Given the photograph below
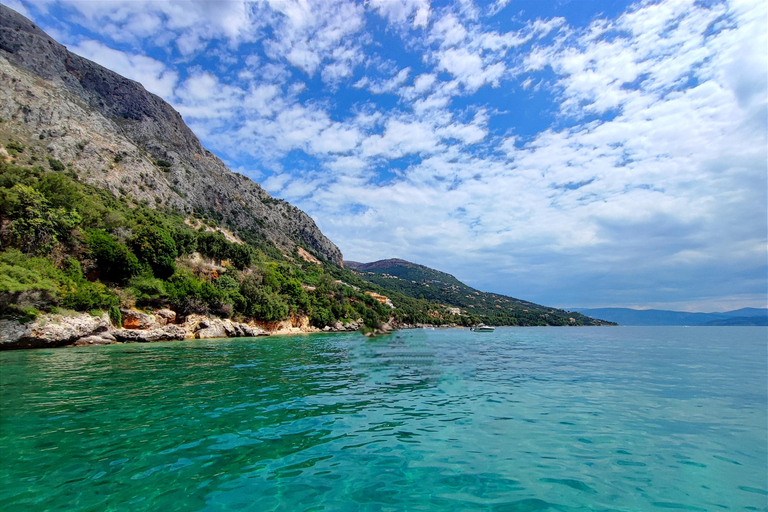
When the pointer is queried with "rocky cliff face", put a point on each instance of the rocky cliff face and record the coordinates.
(116, 135)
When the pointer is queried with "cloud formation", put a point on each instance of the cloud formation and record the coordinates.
(621, 161)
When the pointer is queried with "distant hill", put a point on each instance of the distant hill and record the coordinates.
(418, 281)
(627, 316)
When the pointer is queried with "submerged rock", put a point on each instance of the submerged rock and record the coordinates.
(95, 340)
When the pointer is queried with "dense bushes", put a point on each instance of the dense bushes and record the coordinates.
(35, 225)
(82, 295)
(115, 261)
(37, 283)
(155, 247)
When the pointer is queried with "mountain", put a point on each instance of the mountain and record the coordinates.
(627, 316)
(68, 111)
(109, 202)
(418, 281)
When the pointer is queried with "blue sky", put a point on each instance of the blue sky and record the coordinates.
(572, 153)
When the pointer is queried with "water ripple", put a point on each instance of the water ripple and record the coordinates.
(525, 419)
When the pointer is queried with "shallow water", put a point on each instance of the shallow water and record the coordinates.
(522, 419)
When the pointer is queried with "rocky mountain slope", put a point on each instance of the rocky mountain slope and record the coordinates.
(66, 110)
(418, 281)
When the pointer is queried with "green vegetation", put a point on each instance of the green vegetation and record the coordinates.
(56, 165)
(440, 288)
(66, 244)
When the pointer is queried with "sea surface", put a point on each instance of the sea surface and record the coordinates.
(522, 419)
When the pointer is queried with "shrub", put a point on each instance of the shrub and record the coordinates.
(241, 256)
(27, 284)
(14, 148)
(115, 261)
(261, 301)
(155, 246)
(20, 273)
(35, 226)
(212, 245)
(148, 290)
(82, 295)
(115, 316)
(56, 165)
(186, 241)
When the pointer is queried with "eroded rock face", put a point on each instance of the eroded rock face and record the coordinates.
(133, 319)
(51, 331)
(218, 328)
(165, 316)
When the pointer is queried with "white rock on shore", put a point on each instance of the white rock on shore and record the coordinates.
(51, 330)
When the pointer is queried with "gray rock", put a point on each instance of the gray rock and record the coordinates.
(166, 333)
(107, 336)
(165, 316)
(218, 328)
(133, 319)
(93, 340)
(211, 332)
(51, 330)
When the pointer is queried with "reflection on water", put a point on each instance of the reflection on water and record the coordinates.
(521, 419)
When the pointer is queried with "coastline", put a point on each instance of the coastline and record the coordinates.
(70, 329)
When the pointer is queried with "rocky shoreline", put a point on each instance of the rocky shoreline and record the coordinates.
(76, 330)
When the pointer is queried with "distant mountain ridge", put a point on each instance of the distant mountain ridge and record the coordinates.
(419, 281)
(628, 316)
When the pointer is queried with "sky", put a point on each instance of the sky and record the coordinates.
(570, 153)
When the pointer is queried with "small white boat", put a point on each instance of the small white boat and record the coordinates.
(482, 328)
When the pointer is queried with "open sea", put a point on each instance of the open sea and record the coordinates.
(521, 419)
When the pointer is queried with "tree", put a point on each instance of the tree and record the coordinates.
(115, 261)
(36, 227)
(155, 246)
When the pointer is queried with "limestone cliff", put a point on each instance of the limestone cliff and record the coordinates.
(116, 135)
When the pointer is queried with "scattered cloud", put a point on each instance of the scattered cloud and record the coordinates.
(412, 13)
(617, 162)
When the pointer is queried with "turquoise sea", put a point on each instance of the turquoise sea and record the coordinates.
(522, 419)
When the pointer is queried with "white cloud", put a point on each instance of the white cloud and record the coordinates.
(195, 22)
(655, 161)
(403, 12)
(203, 96)
(449, 31)
(470, 69)
(385, 86)
(423, 83)
(401, 138)
(308, 33)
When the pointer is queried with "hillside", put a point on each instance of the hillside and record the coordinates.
(114, 134)
(422, 282)
(628, 316)
(111, 207)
